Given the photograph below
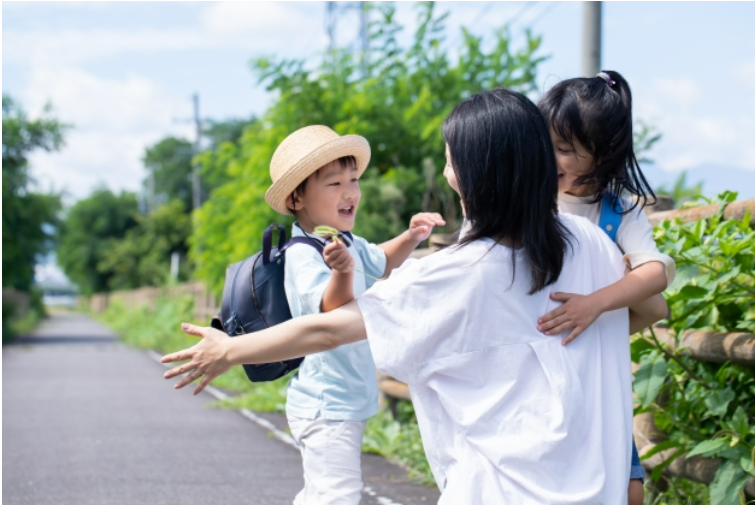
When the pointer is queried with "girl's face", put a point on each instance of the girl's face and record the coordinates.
(573, 161)
(451, 177)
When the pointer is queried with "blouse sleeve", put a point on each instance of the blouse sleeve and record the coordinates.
(394, 333)
(635, 238)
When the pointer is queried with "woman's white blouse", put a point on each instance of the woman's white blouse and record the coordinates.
(507, 414)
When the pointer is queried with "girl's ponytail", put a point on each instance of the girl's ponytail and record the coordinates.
(597, 112)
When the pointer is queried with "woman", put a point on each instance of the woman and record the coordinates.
(507, 414)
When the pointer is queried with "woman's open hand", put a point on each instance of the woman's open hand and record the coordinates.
(207, 358)
(576, 313)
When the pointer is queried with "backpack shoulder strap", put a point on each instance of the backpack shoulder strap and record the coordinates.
(304, 240)
(611, 214)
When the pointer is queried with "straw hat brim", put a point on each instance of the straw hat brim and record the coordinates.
(301, 169)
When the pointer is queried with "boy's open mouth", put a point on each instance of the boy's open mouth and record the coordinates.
(347, 211)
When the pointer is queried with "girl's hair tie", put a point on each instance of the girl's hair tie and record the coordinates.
(607, 78)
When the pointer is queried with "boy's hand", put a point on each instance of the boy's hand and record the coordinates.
(336, 256)
(421, 225)
(576, 313)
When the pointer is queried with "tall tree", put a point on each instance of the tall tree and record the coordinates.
(142, 257)
(169, 164)
(169, 167)
(85, 234)
(28, 216)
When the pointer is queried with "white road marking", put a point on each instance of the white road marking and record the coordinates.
(280, 435)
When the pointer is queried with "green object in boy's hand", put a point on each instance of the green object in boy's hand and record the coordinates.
(327, 232)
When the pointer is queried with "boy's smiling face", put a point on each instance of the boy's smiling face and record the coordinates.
(331, 197)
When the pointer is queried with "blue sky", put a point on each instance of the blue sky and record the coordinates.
(123, 73)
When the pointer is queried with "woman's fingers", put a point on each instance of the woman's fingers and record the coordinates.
(180, 370)
(188, 379)
(178, 356)
(195, 331)
(203, 384)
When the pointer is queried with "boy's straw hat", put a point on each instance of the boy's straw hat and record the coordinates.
(305, 151)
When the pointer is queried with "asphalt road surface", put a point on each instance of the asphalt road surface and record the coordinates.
(87, 420)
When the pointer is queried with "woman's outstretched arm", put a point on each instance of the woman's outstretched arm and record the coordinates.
(216, 353)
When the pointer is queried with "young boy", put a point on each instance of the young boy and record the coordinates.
(315, 175)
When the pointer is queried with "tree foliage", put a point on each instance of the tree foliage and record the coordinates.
(28, 216)
(142, 257)
(169, 172)
(85, 234)
(395, 97)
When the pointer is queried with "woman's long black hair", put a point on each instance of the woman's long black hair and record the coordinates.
(502, 155)
(598, 113)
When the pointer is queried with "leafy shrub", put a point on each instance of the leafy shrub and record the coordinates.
(707, 408)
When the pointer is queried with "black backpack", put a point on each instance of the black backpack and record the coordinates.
(254, 298)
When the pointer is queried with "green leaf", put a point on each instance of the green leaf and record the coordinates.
(739, 422)
(657, 471)
(661, 446)
(693, 292)
(638, 347)
(719, 400)
(746, 463)
(709, 447)
(649, 378)
(728, 481)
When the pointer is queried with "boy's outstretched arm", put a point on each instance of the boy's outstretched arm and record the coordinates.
(398, 249)
(216, 352)
(579, 311)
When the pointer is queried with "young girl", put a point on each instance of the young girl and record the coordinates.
(507, 414)
(590, 121)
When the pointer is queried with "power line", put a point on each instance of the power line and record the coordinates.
(520, 13)
(544, 13)
(485, 9)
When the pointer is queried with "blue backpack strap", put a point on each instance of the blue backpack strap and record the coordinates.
(611, 214)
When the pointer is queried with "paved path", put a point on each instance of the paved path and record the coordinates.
(87, 420)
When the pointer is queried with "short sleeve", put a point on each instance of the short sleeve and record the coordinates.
(395, 337)
(635, 239)
(307, 277)
(373, 259)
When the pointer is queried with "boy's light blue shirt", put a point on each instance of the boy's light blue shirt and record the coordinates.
(339, 384)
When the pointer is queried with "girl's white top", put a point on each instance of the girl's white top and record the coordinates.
(635, 235)
(507, 414)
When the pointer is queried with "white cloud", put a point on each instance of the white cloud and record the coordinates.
(692, 134)
(113, 121)
(255, 26)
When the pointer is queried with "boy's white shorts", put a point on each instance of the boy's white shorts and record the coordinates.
(331, 460)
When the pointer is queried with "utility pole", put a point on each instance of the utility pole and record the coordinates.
(196, 187)
(591, 38)
(334, 10)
